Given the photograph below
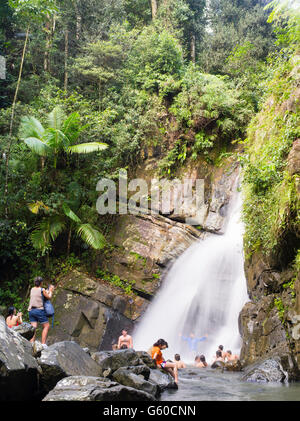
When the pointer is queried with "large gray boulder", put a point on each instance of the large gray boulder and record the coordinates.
(147, 360)
(86, 388)
(18, 368)
(269, 370)
(136, 377)
(162, 379)
(135, 369)
(110, 361)
(64, 359)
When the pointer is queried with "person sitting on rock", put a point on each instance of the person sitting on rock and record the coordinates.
(125, 340)
(156, 355)
(13, 319)
(230, 356)
(202, 362)
(178, 362)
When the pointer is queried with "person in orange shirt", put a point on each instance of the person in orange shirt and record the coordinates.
(156, 355)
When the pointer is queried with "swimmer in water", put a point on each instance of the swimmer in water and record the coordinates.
(201, 362)
(178, 362)
(230, 356)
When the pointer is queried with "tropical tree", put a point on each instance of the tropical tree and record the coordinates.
(59, 136)
(59, 221)
(28, 11)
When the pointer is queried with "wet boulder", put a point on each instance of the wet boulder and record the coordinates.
(87, 388)
(269, 370)
(64, 359)
(18, 368)
(233, 365)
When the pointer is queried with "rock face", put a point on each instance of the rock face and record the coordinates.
(145, 244)
(92, 312)
(270, 321)
(18, 368)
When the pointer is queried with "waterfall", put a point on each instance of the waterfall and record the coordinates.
(201, 296)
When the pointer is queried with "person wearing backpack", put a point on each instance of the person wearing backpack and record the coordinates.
(37, 312)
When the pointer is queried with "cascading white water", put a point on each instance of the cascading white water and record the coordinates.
(201, 296)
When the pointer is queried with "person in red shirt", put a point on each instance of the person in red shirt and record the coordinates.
(156, 355)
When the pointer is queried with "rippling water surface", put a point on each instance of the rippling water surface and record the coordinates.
(212, 385)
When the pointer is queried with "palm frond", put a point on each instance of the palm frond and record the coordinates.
(48, 229)
(57, 225)
(71, 127)
(56, 118)
(70, 214)
(91, 236)
(84, 148)
(40, 236)
(56, 139)
(37, 146)
(30, 127)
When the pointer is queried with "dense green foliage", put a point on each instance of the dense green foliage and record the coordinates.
(271, 207)
(187, 80)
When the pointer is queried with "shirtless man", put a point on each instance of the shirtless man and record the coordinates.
(178, 362)
(125, 340)
(231, 357)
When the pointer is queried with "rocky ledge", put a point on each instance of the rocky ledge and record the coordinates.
(64, 371)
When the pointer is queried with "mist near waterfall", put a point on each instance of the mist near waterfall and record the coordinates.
(201, 296)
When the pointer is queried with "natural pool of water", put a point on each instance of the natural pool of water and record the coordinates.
(212, 385)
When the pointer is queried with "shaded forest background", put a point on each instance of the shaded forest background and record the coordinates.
(90, 83)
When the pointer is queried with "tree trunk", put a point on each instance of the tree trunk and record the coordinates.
(50, 28)
(66, 59)
(193, 49)
(48, 44)
(78, 21)
(154, 8)
(69, 242)
(12, 121)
